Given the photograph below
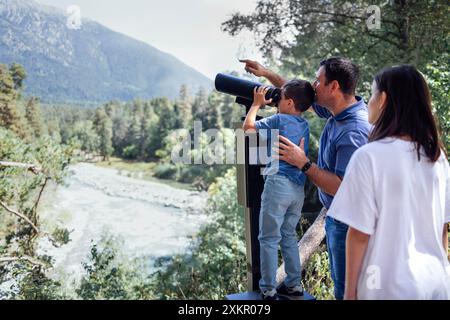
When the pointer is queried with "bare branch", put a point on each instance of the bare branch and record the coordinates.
(20, 215)
(23, 258)
(31, 167)
(348, 16)
(334, 14)
(40, 194)
(385, 39)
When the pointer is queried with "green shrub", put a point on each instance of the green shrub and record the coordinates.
(130, 152)
(165, 171)
(21, 190)
(217, 265)
(317, 277)
(110, 276)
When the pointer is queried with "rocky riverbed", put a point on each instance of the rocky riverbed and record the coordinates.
(152, 219)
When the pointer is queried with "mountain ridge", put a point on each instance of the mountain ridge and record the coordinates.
(89, 65)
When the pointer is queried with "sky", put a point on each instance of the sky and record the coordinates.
(189, 29)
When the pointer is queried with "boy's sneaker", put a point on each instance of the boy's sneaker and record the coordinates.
(292, 293)
(269, 295)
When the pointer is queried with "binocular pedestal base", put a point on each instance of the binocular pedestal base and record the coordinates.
(257, 296)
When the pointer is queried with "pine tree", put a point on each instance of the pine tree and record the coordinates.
(34, 117)
(142, 122)
(185, 107)
(10, 116)
(133, 136)
(179, 120)
(213, 118)
(167, 121)
(228, 110)
(84, 132)
(103, 127)
(120, 130)
(160, 130)
(18, 75)
(200, 105)
(151, 124)
(110, 109)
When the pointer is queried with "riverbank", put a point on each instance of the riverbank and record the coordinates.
(140, 170)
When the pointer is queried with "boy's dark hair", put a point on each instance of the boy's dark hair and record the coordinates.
(345, 72)
(301, 92)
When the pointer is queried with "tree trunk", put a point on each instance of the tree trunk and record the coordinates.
(309, 244)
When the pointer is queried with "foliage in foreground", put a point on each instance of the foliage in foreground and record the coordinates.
(108, 276)
(217, 264)
(20, 194)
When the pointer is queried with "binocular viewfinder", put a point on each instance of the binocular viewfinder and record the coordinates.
(243, 89)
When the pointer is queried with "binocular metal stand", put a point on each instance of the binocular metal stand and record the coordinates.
(250, 185)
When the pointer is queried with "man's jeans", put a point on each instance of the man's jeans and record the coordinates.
(281, 205)
(336, 233)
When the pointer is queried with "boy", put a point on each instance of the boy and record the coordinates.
(283, 195)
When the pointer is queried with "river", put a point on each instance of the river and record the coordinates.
(153, 219)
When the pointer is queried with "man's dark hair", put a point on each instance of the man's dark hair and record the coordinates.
(301, 92)
(345, 72)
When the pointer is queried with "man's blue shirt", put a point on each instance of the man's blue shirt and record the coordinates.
(292, 127)
(342, 136)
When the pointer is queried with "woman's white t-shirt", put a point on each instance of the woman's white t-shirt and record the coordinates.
(403, 204)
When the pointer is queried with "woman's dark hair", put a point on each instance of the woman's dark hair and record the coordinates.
(408, 110)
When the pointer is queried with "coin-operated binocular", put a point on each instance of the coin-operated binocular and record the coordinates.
(243, 89)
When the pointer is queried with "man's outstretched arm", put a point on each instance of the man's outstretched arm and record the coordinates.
(259, 70)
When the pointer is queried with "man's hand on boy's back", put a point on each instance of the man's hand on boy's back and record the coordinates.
(291, 153)
(259, 96)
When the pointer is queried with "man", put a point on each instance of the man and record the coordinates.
(347, 129)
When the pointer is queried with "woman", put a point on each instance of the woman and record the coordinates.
(395, 197)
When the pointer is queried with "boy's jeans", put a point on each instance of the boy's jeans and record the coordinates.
(336, 233)
(281, 205)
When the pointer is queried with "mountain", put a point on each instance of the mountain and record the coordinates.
(91, 64)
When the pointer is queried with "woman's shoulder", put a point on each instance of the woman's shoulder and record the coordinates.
(388, 144)
(373, 147)
(443, 161)
(392, 149)
(376, 153)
